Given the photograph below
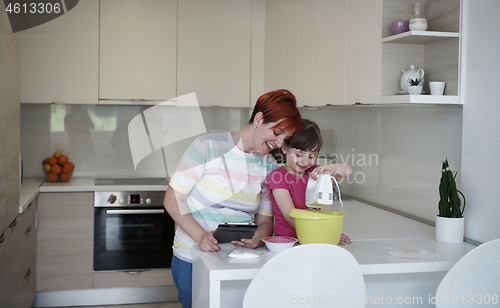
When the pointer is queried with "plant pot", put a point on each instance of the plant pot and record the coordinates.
(450, 230)
(414, 90)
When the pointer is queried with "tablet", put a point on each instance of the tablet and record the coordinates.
(227, 233)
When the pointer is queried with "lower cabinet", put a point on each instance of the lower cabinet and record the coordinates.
(27, 257)
(9, 245)
(65, 241)
(17, 261)
(133, 279)
(65, 249)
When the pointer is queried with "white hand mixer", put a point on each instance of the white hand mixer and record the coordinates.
(319, 192)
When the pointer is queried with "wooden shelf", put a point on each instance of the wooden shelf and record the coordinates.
(420, 99)
(420, 37)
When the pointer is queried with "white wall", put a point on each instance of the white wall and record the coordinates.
(481, 125)
(395, 151)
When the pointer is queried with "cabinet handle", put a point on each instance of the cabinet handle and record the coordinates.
(13, 224)
(28, 230)
(28, 273)
(134, 272)
(123, 212)
(2, 239)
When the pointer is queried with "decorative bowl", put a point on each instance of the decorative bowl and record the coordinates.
(279, 243)
(58, 177)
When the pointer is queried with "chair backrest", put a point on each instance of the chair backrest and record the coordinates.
(474, 280)
(311, 275)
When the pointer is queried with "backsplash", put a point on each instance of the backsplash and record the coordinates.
(396, 151)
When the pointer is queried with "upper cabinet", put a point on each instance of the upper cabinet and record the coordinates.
(436, 51)
(146, 52)
(214, 51)
(305, 50)
(59, 59)
(334, 52)
(138, 51)
(362, 58)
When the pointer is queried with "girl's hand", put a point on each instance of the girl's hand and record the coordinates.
(208, 243)
(337, 170)
(345, 240)
(318, 170)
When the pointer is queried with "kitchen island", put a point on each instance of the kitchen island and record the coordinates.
(220, 282)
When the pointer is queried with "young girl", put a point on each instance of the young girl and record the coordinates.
(288, 183)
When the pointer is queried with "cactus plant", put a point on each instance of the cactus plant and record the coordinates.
(449, 203)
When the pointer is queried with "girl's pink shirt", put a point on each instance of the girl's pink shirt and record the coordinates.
(296, 186)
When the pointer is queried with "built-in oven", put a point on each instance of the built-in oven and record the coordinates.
(132, 231)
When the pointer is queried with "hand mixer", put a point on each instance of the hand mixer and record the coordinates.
(319, 192)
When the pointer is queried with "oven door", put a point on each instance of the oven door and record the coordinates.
(132, 239)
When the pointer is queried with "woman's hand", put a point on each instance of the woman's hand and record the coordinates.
(208, 243)
(345, 240)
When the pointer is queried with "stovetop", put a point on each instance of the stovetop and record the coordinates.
(131, 181)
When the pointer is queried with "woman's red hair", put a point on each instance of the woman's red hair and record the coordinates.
(279, 105)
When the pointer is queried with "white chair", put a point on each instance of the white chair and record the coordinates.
(474, 280)
(312, 275)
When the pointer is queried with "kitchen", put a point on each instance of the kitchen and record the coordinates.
(409, 140)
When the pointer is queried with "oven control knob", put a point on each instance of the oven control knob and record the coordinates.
(122, 201)
(148, 201)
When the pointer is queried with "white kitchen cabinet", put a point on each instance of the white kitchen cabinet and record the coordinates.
(138, 51)
(214, 51)
(133, 279)
(9, 246)
(436, 51)
(27, 257)
(65, 241)
(362, 59)
(305, 50)
(59, 59)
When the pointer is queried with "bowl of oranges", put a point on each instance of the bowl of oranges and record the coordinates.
(58, 168)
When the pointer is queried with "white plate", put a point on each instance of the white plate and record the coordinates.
(406, 93)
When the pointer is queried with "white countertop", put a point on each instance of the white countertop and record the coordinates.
(29, 190)
(79, 185)
(373, 232)
(32, 186)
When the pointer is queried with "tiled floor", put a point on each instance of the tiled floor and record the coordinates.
(154, 305)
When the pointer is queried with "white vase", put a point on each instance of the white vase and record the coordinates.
(450, 230)
(414, 90)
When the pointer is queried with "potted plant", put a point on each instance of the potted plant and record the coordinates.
(450, 220)
(414, 88)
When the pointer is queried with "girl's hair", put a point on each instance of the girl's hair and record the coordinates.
(279, 105)
(306, 139)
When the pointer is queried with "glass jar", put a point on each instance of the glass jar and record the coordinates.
(418, 21)
(418, 10)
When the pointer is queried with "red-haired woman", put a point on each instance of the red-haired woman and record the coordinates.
(222, 178)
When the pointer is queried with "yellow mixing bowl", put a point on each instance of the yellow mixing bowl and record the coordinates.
(318, 227)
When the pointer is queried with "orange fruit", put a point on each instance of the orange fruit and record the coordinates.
(52, 161)
(52, 177)
(56, 169)
(72, 165)
(47, 167)
(62, 160)
(64, 177)
(45, 161)
(57, 154)
(67, 168)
